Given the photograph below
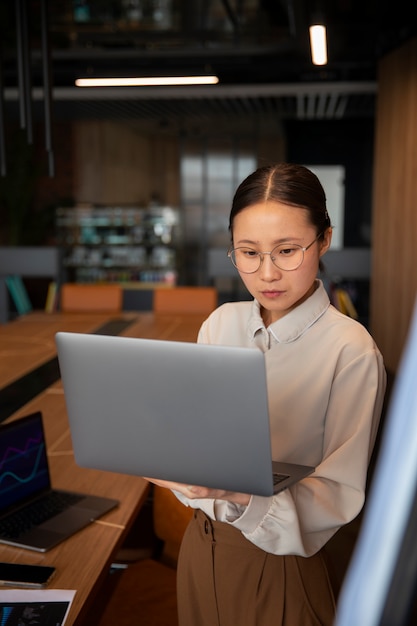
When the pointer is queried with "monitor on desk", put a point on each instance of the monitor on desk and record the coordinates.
(380, 586)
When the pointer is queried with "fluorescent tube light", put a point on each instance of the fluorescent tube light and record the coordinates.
(318, 44)
(146, 81)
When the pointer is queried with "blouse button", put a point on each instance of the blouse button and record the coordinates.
(206, 527)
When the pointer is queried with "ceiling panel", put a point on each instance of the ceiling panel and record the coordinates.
(258, 48)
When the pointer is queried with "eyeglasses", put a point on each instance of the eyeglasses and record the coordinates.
(286, 256)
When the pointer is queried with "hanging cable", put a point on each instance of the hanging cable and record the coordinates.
(3, 165)
(47, 87)
(23, 59)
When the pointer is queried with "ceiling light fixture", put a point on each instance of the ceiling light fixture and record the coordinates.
(146, 81)
(318, 43)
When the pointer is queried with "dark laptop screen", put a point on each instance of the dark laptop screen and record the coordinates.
(23, 461)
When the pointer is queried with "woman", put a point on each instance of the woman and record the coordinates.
(251, 560)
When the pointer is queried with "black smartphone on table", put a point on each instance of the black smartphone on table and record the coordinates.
(29, 576)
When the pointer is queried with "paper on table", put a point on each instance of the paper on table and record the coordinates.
(48, 607)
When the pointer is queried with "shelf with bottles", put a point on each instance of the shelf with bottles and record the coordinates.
(123, 276)
(119, 243)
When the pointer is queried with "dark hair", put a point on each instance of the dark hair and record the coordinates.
(287, 183)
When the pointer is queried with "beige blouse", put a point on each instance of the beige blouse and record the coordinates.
(326, 383)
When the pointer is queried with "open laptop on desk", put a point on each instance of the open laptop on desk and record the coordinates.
(192, 413)
(32, 514)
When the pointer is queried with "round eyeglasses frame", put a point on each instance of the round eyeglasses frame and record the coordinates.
(261, 255)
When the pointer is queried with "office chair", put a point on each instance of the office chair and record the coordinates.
(185, 300)
(88, 298)
(146, 589)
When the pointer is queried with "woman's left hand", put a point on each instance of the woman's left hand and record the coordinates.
(194, 491)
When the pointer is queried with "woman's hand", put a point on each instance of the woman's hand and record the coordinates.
(193, 492)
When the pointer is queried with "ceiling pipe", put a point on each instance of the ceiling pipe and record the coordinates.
(202, 91)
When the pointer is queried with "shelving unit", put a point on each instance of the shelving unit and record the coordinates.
(119, 244)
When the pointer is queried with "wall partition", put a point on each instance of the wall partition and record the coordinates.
(394, 276)
(210, 170)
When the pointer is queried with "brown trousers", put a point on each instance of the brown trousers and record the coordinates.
(225, 580)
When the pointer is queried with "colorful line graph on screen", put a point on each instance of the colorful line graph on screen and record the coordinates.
(19, 451)
(22, 464)
(21, 478)
(24, 470)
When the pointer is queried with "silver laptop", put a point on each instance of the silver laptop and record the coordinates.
(32, 514)
(192, 413)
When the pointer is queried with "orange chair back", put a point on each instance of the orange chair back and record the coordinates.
(78, 298)
(185, 300)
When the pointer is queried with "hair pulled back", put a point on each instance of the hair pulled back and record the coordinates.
(288, 183)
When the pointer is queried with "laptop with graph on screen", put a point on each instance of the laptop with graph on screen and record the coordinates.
(187, 412)
(33, 514)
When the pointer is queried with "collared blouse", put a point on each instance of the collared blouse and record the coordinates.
(326, 383)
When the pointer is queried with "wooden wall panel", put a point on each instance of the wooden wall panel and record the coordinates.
(87, 161)
(394, 262)
(165, 174)
(112, 164)
(115, 164)
(271, 150)
(126, 165)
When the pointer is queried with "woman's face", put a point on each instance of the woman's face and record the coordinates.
(262, 227)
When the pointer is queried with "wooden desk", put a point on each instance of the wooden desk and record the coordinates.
(29, 341)
(83, 560)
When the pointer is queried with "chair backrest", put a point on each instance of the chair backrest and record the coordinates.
(170, 519)
(77, 298)
(185, 300)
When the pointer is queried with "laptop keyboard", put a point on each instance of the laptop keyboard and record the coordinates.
(19, 522)
(278, 478)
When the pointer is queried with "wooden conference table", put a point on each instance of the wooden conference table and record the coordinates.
(26, 344)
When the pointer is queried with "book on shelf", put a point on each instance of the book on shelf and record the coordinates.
(19, 294)
(51, 303)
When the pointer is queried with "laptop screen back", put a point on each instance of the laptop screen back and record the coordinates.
(23, 461)
(186, 412)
